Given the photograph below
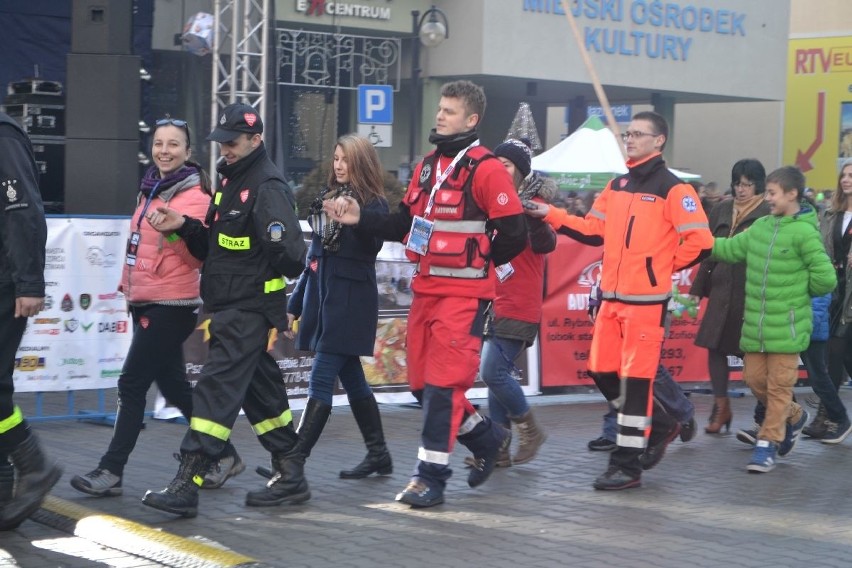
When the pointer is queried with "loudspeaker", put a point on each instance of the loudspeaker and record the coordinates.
(103, 96)
(101, 176)
(102, 26)
(49, 154)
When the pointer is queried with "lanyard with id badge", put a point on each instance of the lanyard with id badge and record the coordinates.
(421, 227)
(136, 236)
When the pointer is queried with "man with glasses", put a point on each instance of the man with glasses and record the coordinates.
(249, 240)
(651, 224)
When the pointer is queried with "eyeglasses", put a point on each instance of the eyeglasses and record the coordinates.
(169, 121)
(743, 184)
(635, 134)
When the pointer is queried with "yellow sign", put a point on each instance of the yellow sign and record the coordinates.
(818, 110)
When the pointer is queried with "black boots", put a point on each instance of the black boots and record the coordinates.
(486, 440)
(378, 459)
(287, 487)
(181, 496)
(33, 477)
(313, 421)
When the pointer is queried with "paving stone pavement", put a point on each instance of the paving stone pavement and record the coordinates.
(698, 508)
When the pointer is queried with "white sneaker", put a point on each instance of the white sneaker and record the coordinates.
(99, 482)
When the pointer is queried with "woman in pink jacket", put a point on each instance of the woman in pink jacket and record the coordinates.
(161, 283)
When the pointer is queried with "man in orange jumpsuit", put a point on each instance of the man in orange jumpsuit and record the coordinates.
(652, 225)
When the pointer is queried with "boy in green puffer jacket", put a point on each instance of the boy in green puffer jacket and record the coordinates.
(786, 265)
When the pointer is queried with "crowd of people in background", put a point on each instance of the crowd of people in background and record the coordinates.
(770, 256)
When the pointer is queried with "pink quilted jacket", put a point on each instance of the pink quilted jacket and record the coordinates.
(164, 270)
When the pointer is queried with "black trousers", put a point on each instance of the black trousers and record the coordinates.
(155, 356)
(12, 432)
(239, 372)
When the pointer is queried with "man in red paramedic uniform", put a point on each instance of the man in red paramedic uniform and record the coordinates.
(460, 218)
(652, 225)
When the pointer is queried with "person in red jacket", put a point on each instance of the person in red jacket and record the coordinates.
(160, 281)
(460, 217)
(652, 225)
(515, 314)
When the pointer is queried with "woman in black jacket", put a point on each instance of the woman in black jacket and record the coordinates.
(336, 303)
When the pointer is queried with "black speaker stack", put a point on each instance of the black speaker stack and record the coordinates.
(39, 107)
(102, 111)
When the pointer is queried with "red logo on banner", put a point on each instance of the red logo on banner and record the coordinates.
(144, 321)
(244, 195)
(250, 118)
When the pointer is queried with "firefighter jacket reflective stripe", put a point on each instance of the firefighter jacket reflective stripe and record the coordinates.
(652, 225)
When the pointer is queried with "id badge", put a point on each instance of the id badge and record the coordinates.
(419, 235)
(504, 271)
(132, 248)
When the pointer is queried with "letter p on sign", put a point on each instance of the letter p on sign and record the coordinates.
(375, 104)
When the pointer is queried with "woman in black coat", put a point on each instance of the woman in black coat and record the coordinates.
(724, 285)
(336, 303)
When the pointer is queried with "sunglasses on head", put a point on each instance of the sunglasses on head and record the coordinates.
(173, 121)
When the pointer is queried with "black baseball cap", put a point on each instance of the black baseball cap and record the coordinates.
(236, 119)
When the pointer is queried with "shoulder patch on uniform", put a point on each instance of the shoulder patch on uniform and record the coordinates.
(8, 187)
(276, 231)
(502, 198)
(425, 172)
(689, 204)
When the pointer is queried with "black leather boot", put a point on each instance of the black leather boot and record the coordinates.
(313, 421)
(181, 496)
(378, 460)
(34, 476)
(287, 487)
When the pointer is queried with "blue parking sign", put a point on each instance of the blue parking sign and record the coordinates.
(375, 104)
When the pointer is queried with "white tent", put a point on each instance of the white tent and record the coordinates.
(588, 159)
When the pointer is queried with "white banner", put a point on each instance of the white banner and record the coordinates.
(80, 339)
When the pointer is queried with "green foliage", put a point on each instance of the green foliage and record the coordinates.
(316, 180)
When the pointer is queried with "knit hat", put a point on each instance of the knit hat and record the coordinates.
(236, 119)
(518, 152)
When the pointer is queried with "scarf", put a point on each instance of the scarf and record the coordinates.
(327, 229)
(152, 177)
(452, 144)
(531, 187)
(741, 211)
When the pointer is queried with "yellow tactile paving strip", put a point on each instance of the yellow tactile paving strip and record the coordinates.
(134, 538)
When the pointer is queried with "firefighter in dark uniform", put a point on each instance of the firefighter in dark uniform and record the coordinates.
(249, 241)
(23, 236)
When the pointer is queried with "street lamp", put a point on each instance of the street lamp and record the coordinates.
(430, 29)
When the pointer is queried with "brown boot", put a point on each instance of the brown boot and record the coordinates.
(530, 438)
(720, 416)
